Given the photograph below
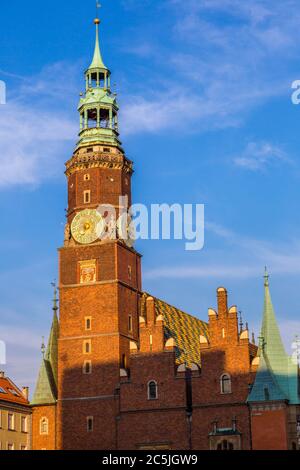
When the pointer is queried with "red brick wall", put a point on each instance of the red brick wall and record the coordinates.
(269, 429)
(45, 442)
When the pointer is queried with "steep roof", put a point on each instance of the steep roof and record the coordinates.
(10, 393)
(185, 329)
(97, 62)
(277, 376)
(46, 388)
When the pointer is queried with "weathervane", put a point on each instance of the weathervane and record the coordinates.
(98, 6)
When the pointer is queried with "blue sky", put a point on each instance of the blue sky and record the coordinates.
(206, 114)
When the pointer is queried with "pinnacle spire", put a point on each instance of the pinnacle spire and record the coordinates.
(46, 388)
(276, 377)
(97, 62)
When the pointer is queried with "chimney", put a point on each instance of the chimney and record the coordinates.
(222, 301)
(2, 374)
(25, 391)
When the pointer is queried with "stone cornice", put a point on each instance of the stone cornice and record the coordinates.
(82, 161)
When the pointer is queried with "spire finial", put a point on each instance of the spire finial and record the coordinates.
(241, 321)
(55, 299)
(43, 347)
(253, 337)
(266, 277)
(97, 59)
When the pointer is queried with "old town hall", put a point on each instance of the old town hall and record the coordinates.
(125, 370)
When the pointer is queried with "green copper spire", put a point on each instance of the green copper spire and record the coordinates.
(97, 62)
(46, 388)
(98, 107)
(277, 376)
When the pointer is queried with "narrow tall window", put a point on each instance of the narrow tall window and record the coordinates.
(90, 424)
(130, 327)
(87, 177)
(87, 367)
(129, 273)
(124, 361)
(267, 393)
(88, 323)
(225, 383)
(152, 390)
(87, 197)
(44, 426)
(87, 346)
(10, 422)
(23, 424)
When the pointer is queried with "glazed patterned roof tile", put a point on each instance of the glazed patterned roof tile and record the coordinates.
(184, 328)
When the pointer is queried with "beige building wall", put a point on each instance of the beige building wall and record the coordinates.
(15, 427)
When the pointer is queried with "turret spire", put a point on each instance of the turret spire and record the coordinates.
(98, 107)
(277, 376)
(97, 62)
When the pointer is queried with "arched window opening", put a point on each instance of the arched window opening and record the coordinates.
(225, 445)
(104, 118)
(152, 390)
(92, 118)
(44, 426)
(225, 383)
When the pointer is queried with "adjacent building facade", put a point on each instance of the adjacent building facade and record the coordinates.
(125, 370)
(15, 416)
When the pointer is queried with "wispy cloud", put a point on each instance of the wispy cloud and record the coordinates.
(36, 127)
(259, 156)
(227, 67)
(250, 255)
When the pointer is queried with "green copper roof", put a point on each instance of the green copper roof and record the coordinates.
(46, 388)
(97, 62)
(277, 376)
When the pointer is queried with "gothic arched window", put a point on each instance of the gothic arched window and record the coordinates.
(152, 390)
(44, 426)
(225, 445)
(225, 383)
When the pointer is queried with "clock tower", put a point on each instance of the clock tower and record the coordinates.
(99, 278)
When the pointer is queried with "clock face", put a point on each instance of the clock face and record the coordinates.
(87, 226)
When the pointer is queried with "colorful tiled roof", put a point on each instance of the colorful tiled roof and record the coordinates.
(9, 392)
(184, 328)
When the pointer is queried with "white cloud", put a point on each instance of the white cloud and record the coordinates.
(227, 67)
(258, 156)
(35, 131)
